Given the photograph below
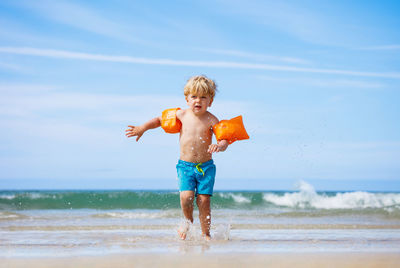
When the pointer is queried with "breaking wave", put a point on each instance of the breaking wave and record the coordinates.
(308, 198)
(305, 199)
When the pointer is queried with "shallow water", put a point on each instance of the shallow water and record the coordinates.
(66, 223)
(88, 232)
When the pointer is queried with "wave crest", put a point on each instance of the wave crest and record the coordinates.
(238, 198)
(307, 197)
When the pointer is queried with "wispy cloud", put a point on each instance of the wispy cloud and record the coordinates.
(255, 56)
(383, 47)
(325, 83)
(11, 67)
(63, 54)
(26, 101)
(37, 101)
(81, 17)
(296, 20)
(51, 114)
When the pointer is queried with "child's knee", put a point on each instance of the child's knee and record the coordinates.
(186, 202)
(203, 199)
(187, 199)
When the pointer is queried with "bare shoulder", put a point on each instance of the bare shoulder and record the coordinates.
(212, 119)
(181, 113)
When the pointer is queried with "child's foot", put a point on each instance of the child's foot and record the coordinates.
(207, 237)
(182, 234)
(183, 229)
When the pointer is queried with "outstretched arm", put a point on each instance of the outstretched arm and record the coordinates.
(139, 130)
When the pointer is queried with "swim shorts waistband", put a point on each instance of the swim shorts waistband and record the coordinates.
(209, 162)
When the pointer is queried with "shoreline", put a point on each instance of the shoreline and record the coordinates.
(292, 259)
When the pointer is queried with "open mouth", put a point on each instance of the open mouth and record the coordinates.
(197, 106)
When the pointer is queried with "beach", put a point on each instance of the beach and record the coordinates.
(301, 228)
(109, 108)
(213, 260)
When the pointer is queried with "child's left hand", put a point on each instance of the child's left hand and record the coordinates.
(220, 147)
(213, 148)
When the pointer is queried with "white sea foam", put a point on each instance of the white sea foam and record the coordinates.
(137, 215)
(37, 195)
(7, 196)
(27, 195)
(307, 197)
(238, 198)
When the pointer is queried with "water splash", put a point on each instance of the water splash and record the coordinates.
(305, 187)
(222, 232)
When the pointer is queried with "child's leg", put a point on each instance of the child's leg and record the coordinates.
(203, 202)
(187, 209)
(187, 198)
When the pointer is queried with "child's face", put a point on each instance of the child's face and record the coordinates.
(198, 103)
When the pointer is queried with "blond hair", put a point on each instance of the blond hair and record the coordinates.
(200, 85)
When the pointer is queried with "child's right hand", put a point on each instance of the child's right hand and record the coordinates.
(134, 131)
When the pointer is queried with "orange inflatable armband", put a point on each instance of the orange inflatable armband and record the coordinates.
(231, 130)
(169, 122)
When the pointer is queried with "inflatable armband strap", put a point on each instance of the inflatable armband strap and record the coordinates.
(170, 123)
(231, 130)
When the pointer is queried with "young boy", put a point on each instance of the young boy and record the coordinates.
(196, 170)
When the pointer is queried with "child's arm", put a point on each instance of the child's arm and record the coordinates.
(139, 130)
(219, 147)
(221, 144)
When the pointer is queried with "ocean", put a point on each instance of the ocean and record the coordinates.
(93, 222)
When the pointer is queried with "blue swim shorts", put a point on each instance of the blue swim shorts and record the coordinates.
(197, 177)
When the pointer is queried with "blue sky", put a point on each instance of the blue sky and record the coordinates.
(317, 83)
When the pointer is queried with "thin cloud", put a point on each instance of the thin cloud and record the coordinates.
(11, 67)
(63, 54)
(329, 83)
(254, 56)
(385, 47)
(81, 17)
(35, 100)
(77, 117)
(300, 22)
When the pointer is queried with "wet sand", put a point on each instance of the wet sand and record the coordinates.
(212, 260)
